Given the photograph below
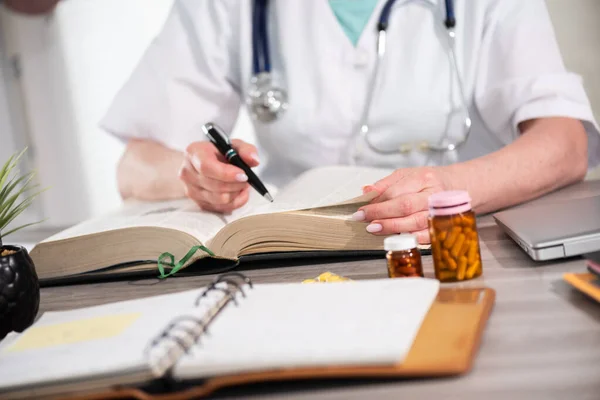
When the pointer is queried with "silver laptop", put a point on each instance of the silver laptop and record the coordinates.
(554, 230)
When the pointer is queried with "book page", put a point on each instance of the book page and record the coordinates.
(183, 215)
(330, 185)
(321, 187)
(297, 325)
(341, 211)
(315, 188)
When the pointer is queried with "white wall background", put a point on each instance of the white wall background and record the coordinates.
(75, 60)
(577, 26)
(6, 123)
(578, 32)
(13, 124)
(69, 74)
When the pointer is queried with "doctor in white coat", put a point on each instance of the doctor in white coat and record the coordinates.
(456, 94)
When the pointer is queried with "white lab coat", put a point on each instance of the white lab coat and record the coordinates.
(198, 70)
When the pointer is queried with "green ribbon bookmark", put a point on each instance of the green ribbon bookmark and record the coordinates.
(181, 263)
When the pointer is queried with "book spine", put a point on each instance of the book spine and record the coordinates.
(183, 332)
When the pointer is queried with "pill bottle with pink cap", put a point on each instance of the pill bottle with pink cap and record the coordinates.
(454, 237)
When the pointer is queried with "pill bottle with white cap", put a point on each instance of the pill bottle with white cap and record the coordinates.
(403, 256)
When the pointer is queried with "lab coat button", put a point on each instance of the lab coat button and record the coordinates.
(361, 58)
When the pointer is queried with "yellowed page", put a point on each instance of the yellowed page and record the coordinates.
(322, 187)
(329, 185)
(183, 215)
(316, 188)
(343, 210)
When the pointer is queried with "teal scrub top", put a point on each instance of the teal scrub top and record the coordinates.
(353, 15)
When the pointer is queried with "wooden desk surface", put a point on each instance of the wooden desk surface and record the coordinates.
(542, 341)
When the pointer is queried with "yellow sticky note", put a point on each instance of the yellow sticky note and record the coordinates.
(82, 330)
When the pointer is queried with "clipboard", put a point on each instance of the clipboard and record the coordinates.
(446, 345)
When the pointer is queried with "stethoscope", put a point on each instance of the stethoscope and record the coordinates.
(267, 102)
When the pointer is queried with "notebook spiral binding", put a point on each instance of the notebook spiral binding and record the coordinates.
(185, 336)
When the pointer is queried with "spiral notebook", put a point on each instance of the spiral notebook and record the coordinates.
(233, 332)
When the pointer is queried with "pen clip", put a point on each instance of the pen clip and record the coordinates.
(210, 129)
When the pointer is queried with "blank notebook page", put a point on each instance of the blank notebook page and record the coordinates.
(311, 325)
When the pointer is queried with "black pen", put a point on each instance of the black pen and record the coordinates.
(221, 142)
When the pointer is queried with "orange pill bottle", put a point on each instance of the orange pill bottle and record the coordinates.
(454, 237)
(403, 256)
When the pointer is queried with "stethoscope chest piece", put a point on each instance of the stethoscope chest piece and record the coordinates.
(266, 101)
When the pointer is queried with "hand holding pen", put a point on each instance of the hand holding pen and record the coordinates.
(212, 181)
(222, 143)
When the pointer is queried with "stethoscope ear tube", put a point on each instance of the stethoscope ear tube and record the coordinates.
(266, 101)
(450, 21)
(260, 47)
(384, 17)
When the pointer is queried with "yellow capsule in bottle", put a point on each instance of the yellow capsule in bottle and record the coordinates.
(455, 242)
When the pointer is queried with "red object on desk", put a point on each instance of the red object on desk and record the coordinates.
(594, 267)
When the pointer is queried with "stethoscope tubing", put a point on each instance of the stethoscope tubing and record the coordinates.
(261, 59)
(262, 65)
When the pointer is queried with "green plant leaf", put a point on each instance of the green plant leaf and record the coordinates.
(8, 210)
(13, 230)
(15, 213)
(5, 171)
(12, 184)
(6, 204)
(8, 167)
(10, 214)
(12, 188)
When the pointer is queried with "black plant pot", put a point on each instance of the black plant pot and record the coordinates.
(19, 291)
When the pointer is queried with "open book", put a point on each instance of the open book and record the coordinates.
(235, 331)
(312, 213)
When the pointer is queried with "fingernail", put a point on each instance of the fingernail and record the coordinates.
(367, 188)
(373, 228)
(359, 216)
(196, 162)
(254, 156)
(241, 177)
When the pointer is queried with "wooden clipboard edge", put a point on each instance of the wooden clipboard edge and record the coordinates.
(410, 369)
